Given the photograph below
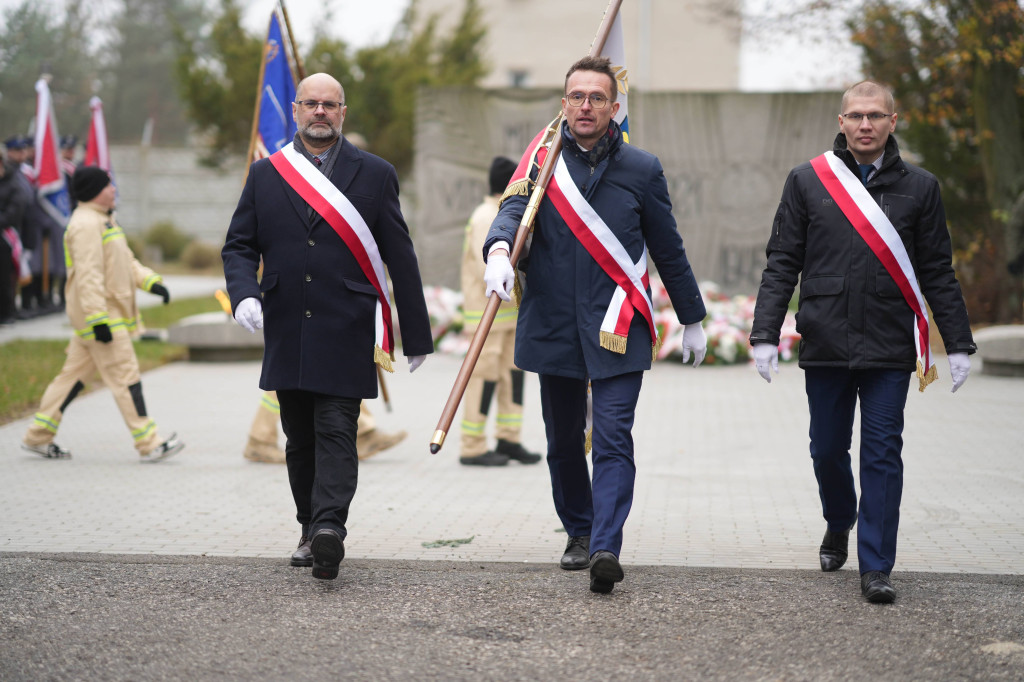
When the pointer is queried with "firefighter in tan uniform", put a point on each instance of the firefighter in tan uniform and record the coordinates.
(102, 275)
(495, 374)
(262, 444)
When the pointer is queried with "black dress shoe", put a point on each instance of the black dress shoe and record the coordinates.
(876, 588)
(577, 553)
(328, 550)
(834, 550)
(488, 459)
(605, 571)
(517, 452)
(303, 556)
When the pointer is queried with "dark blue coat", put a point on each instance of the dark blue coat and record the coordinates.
(318, 306)
(566, 294)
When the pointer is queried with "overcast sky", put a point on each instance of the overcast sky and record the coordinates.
(779, 62)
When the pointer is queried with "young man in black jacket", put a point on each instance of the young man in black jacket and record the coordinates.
(865, 233)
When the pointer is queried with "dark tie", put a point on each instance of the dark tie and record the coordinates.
(317, 161)
(865, 171)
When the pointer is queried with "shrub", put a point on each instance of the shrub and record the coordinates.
(169, 239)
(200, 255)
(137, 246)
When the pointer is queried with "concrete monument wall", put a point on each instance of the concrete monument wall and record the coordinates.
(168, 184)
(726, 157)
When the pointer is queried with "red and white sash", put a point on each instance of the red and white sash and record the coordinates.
(874, 227)
(326, 199)
(611, 256)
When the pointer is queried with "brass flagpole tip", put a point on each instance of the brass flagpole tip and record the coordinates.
(436, 442)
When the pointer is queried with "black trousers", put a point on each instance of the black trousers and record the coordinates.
(321, 457)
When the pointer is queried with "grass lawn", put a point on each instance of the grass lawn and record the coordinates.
(30, 365)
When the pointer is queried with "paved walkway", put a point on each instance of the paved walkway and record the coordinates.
(724, 478)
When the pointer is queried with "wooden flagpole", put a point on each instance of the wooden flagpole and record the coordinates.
(300, 70)
(546, 171)
(259, 99)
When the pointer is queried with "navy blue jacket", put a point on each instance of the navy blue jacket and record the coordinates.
(566, 293)
(851, 313)
(318, 306)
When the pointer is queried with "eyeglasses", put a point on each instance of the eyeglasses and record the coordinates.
(312, 104)
(874, 116)
(577, 99)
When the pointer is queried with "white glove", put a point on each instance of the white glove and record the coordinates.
(499, 276)
(694, 339)
(766, 355)
(249, 314)
(959, 368)
(26, 262)
(415, 361)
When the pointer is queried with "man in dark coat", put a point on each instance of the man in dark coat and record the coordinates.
(865, 233)
(12, 207)
(325, 299)
(563, 332)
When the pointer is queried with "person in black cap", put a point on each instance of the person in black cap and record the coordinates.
(102, 276)
(12, 209)
(495, 373)
(67, 163)
(37, 227)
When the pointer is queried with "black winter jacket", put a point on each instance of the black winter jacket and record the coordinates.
(12, 199)
(851, 312)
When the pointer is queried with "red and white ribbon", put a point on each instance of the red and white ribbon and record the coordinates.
(871, 223)
(602, 244)
(327, 200)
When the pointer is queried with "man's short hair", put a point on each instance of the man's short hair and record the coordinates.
(598, 64)
(870, 89)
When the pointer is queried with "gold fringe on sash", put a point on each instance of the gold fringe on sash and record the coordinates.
(925, 377)
(655, 349)
(517, 289)
(519, 188)
(385, 360)
(589, 443)
(613, 342)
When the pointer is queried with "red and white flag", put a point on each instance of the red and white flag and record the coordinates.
(49, 173)
(97, 153)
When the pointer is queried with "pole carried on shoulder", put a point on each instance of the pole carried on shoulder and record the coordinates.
(553, 141)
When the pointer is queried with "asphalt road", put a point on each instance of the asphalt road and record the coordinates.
(111, 617)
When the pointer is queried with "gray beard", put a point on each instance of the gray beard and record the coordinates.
(308, 132)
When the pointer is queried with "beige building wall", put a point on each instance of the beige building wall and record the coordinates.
(671, 45)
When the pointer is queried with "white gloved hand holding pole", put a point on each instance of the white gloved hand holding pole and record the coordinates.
(766, 358)
(695, 340)
(499, 276)
(959, 368)
(249, 314)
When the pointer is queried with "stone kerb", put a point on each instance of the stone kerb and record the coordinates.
(214, 337)
(1001, 350)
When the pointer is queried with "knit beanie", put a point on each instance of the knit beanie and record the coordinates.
(88, 182)
(501, 172)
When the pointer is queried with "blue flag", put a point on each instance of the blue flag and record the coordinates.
(276, 126)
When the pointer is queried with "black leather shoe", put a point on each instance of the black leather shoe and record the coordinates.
(303, 556)
(834, 550)
(488, 459)
(876, 588)
(328, 551)
(517, 452)
(577, 553)
(605, 571)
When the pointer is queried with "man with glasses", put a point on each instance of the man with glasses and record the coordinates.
(325, 219)
(586, 312)
(865, 233)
